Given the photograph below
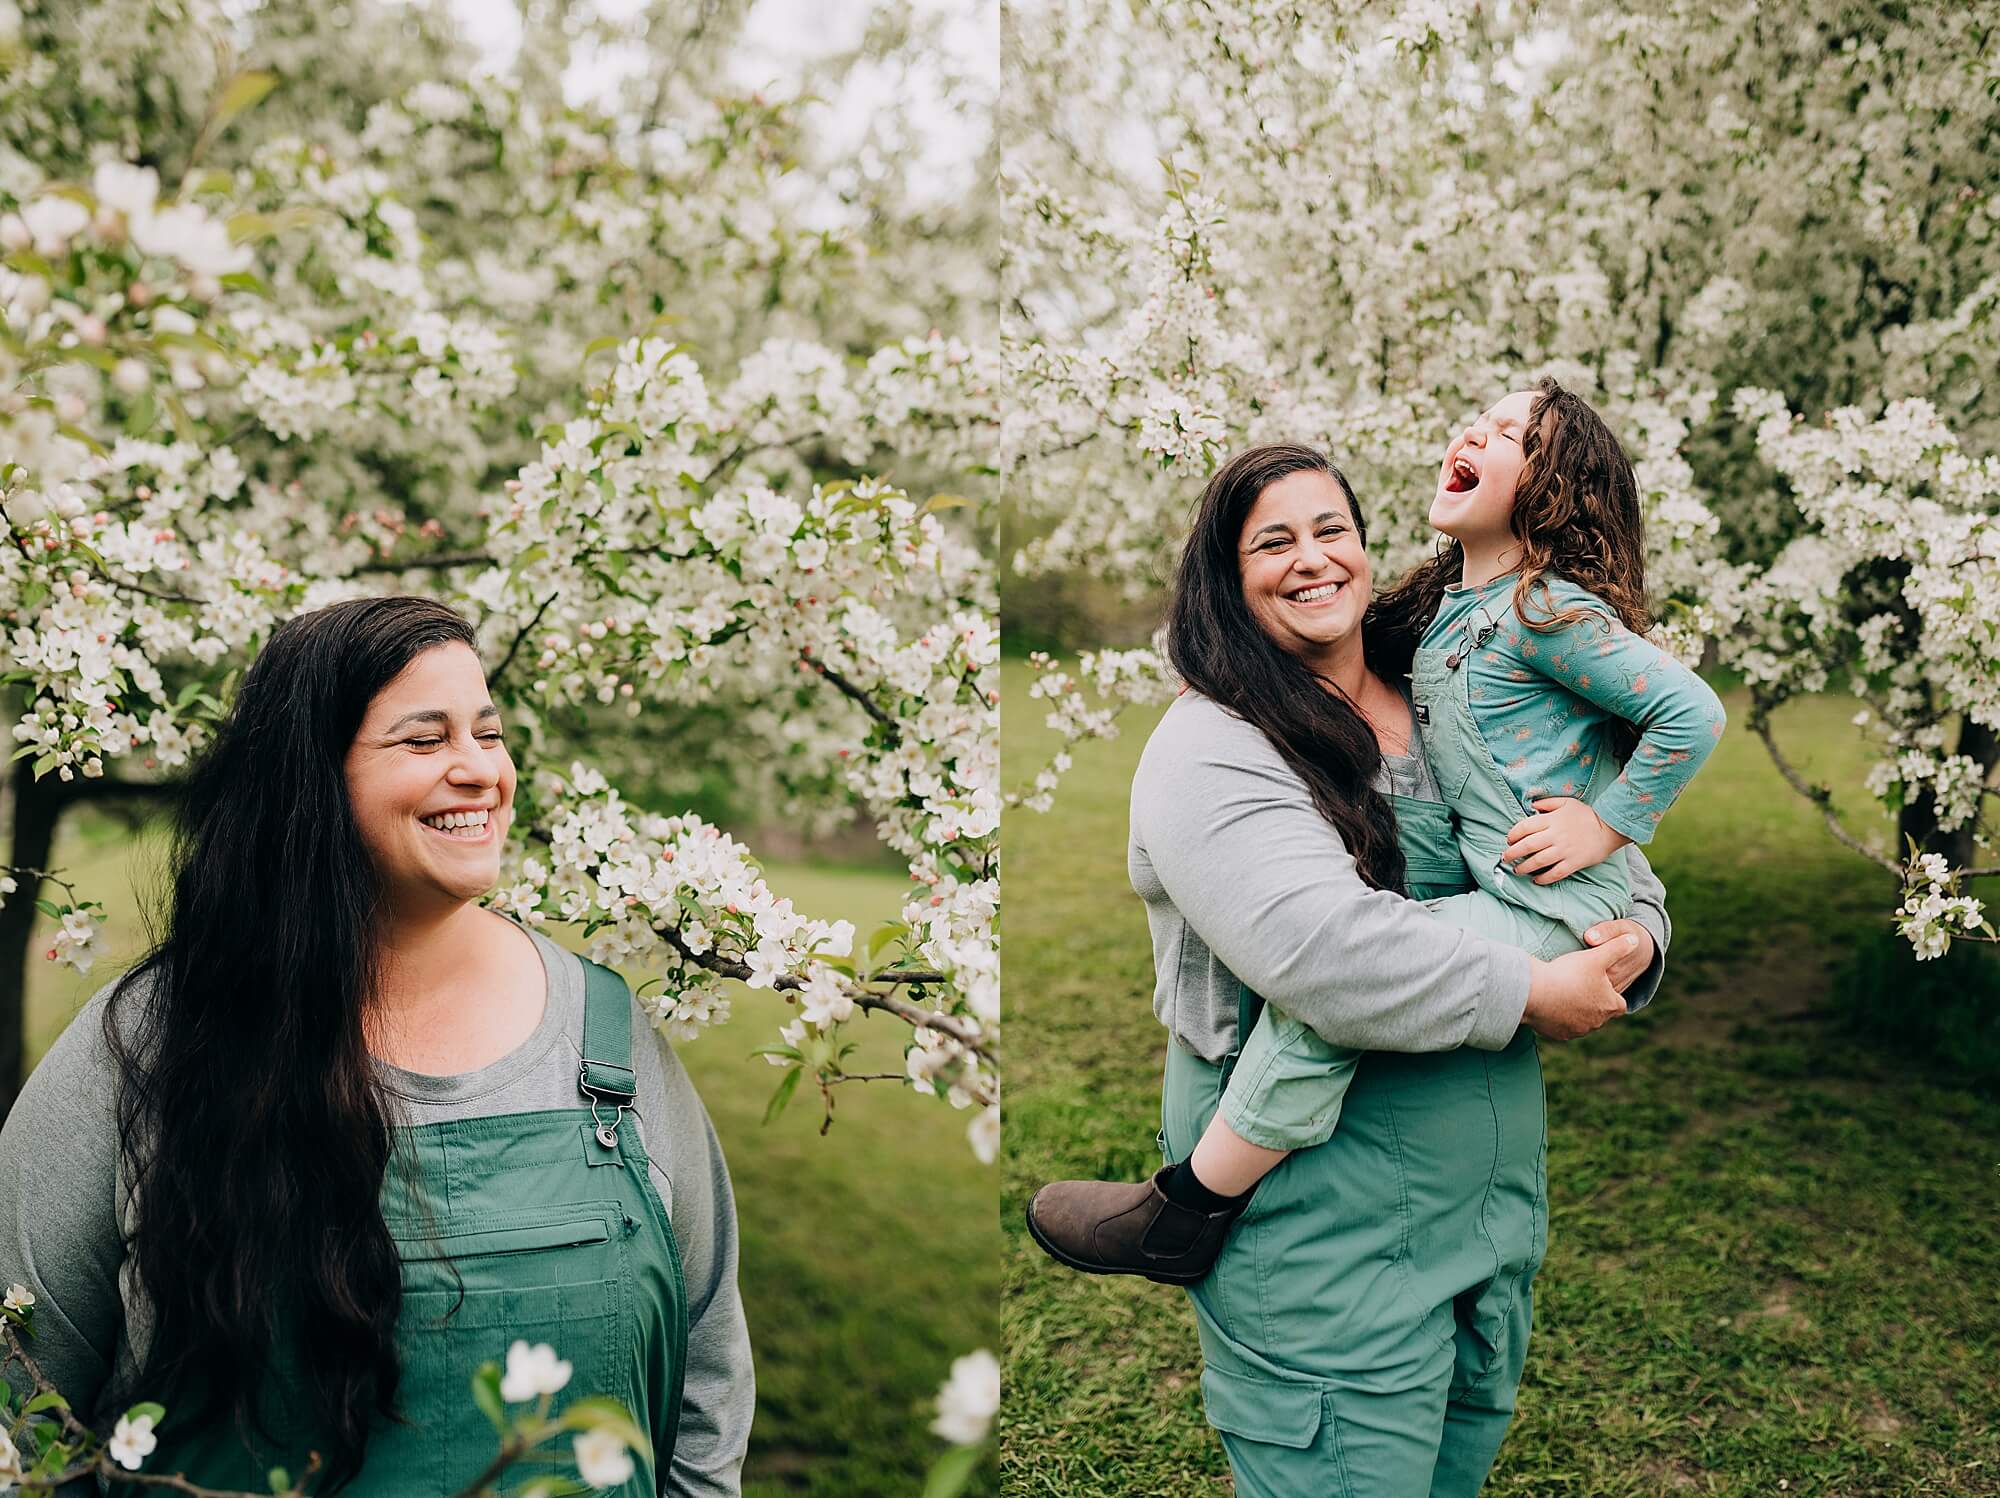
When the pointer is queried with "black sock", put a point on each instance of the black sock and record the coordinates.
(1184, 1189)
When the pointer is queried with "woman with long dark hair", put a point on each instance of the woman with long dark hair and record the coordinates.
(343, 1134)
(1365, 1320)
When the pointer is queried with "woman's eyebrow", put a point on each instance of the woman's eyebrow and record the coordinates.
(1283, 529)
(439, 716)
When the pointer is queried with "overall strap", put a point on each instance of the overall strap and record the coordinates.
(1248, 1007)
(606, 1075)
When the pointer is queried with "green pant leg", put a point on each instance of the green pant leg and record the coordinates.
(1492, 917)
(1369, 1444)
(1476, 1417)
(1286, 1091)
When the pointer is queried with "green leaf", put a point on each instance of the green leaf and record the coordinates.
(602, 1412)
(158, 1412)
(139, 420)
(486, 1394)
(248, 225)
(789, 1052)
(526, 560)
(50, 909)
(245, 91)
(783, 1095)
(951, 1472)
(47, 1400)
(279, 1479)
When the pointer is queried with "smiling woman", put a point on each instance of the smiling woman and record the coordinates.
(344, 1126)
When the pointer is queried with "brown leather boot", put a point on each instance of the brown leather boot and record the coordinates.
(1115, 1227)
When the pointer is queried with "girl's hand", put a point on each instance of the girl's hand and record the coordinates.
(1565, 835)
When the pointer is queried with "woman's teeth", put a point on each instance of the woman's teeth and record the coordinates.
(1463, 476)
(1317, 595)
(466, 824)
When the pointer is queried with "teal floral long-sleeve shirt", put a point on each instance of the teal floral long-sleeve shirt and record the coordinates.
(1547, 701)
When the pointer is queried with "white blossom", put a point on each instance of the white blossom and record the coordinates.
(602, 1459)
(969, 1399)
(532, 1372)
(132, 1441)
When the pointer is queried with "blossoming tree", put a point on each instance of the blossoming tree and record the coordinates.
(335, 328)
(1357, 224)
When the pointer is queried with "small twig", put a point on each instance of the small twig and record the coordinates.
(512, 1449)
(178, 1484)
(43, 1385)
(525, 630)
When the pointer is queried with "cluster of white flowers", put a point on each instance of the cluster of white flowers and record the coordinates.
(1932, 911)
(1118, 678)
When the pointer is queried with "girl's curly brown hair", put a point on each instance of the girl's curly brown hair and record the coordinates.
(1576, 515)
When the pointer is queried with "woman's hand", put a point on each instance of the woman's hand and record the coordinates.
(1628, 965)
(1565, 835)
(1574, 995)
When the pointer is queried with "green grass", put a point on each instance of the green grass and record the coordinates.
(1775, 1245)
(870, 1257)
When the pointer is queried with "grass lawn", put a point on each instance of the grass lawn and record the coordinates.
(1775, 1252)
(870, 1257)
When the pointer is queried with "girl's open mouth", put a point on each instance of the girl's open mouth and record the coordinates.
(1462, 477)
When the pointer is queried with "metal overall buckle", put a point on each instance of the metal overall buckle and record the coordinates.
(607, 1133)
(1474, 638)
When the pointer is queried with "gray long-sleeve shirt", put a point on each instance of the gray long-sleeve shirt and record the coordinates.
(1244, 879)
(61, 1184)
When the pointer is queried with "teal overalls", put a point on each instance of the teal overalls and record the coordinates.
(542, 1227)
(1290, 1085)
(1365, 1326)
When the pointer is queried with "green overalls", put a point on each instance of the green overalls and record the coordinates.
(542, 1227)
(1365, 1326)
(1290, 1084)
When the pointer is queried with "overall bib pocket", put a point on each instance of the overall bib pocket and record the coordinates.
(552, 1274)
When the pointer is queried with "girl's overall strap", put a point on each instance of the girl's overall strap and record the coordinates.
(606, 1075)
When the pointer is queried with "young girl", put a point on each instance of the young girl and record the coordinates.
(1531, 682)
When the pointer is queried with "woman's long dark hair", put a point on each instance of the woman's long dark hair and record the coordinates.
(254, 1136)
(1223, 653)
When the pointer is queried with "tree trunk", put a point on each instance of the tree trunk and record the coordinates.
(35, 807)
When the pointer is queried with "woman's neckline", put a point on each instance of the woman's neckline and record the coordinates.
(434, 1088)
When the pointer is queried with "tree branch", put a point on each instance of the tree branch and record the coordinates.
(853, 693)
(16, 1353)
(1819, 795)
(525, 630)
(864, 998)
(437, 560)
